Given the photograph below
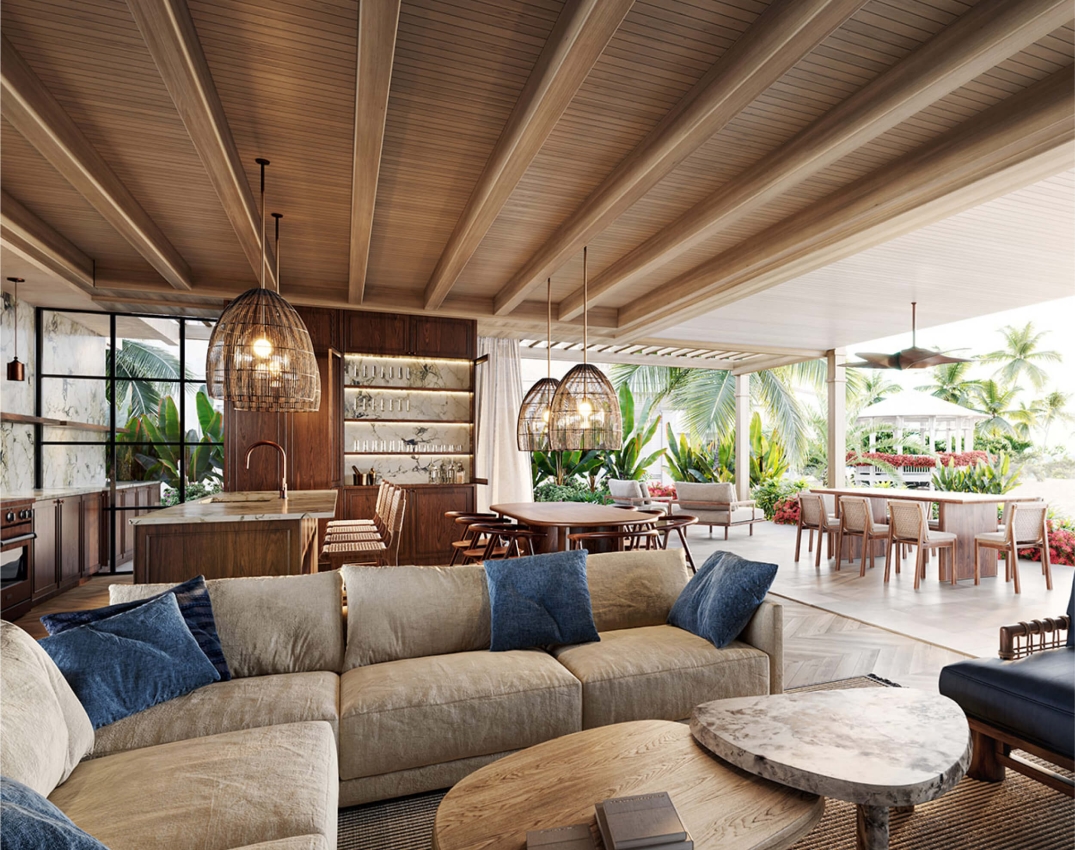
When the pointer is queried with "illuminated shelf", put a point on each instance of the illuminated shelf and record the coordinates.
(412, 454)
(371, 421)
(380, 388)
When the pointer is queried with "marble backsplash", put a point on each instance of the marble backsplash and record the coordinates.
(403, 372)
(401, 437)
(68, 345)
(401, 404)
(402, 469)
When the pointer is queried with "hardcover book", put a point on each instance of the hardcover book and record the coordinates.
(643, 821)
(606, 840)
(574, 837)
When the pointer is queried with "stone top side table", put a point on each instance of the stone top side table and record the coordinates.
(875, 747)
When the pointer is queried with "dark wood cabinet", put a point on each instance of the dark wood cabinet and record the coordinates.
(420, 336)
(324, 327)
(125, 499)
(69, 537)
(378, 333)
(46, 527)
(314, 439)
(92, 504)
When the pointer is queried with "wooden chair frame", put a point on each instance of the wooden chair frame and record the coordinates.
(922, 542)
(821, 527)
(867, 534)
(627, 539)
(667, 524)
(1010, 546)
(346, 552)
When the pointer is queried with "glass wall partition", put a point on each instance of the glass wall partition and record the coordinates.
(130, 390)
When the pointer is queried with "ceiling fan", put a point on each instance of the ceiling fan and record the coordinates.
(909, 358)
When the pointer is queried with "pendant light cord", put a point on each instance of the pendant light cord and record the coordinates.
(16, 320)
(276, 249)
(548, 328)
(585, 308)
(914, 324)
(262, 162)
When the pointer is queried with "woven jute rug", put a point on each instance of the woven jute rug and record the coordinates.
(1017, 814)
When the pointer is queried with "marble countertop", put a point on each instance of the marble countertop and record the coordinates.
(251, 506)
(67, 492)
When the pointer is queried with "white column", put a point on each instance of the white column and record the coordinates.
(742, 436)
(836, 382)
(898, 435)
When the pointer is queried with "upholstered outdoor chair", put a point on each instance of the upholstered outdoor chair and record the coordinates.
(627, 493)
(856, 520)
(909, 526)
(715, 504)
(814, 516)
(1026, 528)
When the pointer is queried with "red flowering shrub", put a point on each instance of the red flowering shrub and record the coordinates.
(656, 488)
(1061, 545)
(786, 511)
(930, 461)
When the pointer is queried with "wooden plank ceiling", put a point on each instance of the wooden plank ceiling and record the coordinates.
(448, 156)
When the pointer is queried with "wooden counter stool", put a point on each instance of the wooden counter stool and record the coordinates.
(382, 551)
(678, 523)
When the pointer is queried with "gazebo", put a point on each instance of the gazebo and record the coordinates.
(933, 418)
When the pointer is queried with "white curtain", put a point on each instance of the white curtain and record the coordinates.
(497, 456)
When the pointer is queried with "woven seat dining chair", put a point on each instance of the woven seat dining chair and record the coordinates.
(348, 547)
(380, 512)
(856, 520)
(1026, 528)
(909, 526)
(814, 516)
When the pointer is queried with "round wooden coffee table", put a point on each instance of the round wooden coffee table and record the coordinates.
(875, 747)
(558, 782)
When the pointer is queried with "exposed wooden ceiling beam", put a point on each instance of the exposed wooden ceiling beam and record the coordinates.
(37, 115)
(36, 242)
(377, 25)
(581, 33)
(982, 38)
(168, 31)
(1019, 129)
(782, 35)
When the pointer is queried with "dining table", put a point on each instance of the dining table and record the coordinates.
(964, 514)
(558, 519)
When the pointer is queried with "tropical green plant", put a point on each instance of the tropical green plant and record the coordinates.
(573, 492)
(1053, 410)
(994, 477)
(564, 467)
(768, 461)
(1021, 356)
(996, 401)
(628, 463)
(692, 460)
(769, 493)
(145, 374)
(951, 383)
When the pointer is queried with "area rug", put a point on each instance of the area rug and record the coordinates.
(1018, 814)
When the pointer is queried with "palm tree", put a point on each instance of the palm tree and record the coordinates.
(1021, 356)
(996, 401)
(707, 397)
(145, 374)
(1053, 409)
(869, 388)
(1025, 418)
(951, 383)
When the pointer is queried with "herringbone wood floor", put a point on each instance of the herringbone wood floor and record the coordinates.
(818, 646)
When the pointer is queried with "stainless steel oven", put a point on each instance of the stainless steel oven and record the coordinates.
(16, 557)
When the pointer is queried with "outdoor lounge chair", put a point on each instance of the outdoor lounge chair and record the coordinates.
(715, 504)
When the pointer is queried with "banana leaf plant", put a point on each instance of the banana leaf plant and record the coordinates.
(768, 460)
(627, 463)
(691, 461)
(562, 467)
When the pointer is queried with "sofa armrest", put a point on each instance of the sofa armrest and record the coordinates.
(1022, 639)
(765, 631)
(744, 503)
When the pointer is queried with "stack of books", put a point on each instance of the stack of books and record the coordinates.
(643, 822)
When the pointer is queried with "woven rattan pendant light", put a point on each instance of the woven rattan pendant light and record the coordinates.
(533, 428)
(585, 410)
(260, 355)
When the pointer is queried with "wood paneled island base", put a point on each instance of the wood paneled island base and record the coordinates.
(558, 782)
(264, 536)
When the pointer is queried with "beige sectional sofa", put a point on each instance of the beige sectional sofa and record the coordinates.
(400, 695)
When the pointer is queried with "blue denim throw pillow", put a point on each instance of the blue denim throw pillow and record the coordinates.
(542, 600)
(721, 597)
(194, 605)
(28, 821)
(129, 662)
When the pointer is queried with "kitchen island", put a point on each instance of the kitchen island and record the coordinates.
(230, 535)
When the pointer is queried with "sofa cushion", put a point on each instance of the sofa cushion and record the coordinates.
(299, 842)
(46, 731)
(702, 495)
(659, 673)
(30, 822)
(721, 597)
(411, 612)
(1032, 697)
(213, 793)
(270, 624)
(194, 605)
(632, 589)
(227, 707)
(131, 661)
(421, 711)
(720, 517)
(540, 600)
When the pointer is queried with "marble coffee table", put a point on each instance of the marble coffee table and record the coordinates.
(875, 747)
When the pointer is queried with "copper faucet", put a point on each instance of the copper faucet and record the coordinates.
(283, 457)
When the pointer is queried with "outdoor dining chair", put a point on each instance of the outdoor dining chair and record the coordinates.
(1026, 528)
(856, 520)
(814, 517)
(909, 525)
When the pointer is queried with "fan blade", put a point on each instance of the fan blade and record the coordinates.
(876, 360)
(924, 358)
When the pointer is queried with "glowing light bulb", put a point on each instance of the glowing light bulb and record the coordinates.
(262, 347)
(585, 408)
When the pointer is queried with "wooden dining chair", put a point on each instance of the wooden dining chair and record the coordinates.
(856, 520)
(465, 519)
(909, 525)
(814, 517)
(495, 541)
(1027, 528)
(626, 539)
(667, 524)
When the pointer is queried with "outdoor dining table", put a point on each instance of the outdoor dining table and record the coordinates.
(558, 519)
(965, 514)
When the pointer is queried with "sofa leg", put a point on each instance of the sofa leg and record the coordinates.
(984, 765)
